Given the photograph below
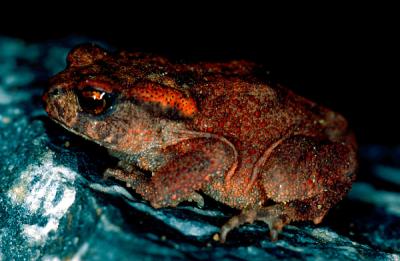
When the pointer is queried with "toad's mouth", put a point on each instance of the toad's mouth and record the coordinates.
(62, 124)
(77, 133)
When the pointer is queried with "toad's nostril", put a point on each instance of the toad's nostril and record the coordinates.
(51, 93)
(55, 92)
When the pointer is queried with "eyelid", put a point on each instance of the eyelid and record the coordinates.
(97, 85)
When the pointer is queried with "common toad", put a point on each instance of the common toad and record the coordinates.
(216, 128)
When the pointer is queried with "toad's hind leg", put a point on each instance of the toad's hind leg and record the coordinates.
(274, 216)
(304, 177)
(277, 216)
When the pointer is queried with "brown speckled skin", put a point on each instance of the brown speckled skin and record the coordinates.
(210, 127)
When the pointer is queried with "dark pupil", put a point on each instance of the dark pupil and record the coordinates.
(94, 101)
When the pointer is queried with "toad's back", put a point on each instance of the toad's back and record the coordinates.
(252, 114)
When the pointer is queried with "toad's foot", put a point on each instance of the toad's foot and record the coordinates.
(132, 179)
(276, 217)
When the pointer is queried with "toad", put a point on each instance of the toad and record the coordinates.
(181, 131)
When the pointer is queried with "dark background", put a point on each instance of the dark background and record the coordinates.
(345, 57)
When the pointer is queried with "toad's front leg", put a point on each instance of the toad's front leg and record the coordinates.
(189, 166)
(194, 164)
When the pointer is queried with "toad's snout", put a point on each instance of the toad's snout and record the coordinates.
(60, 105)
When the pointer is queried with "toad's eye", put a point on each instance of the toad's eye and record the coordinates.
(94, 101)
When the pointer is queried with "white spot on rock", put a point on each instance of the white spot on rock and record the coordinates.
(47, 190)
